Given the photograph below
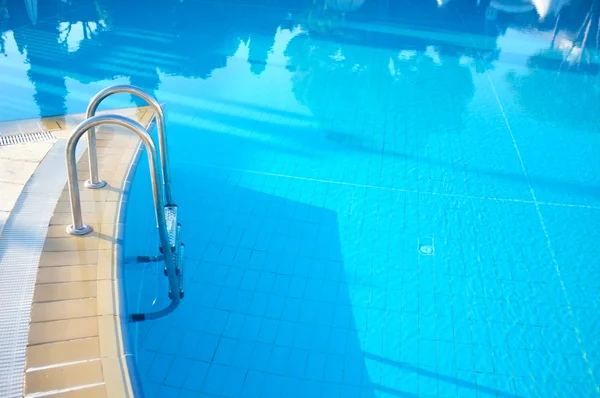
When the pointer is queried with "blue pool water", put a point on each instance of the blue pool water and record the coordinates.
(378, 198)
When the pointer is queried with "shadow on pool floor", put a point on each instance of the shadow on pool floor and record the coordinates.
(266, 312)
(269, 310)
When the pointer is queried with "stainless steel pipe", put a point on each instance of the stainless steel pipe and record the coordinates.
(94, 181)
(79, 228)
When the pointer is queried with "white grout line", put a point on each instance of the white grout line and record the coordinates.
(62, 391)
(451, 195)
(543, 225)
(60, 365)
(574, 205)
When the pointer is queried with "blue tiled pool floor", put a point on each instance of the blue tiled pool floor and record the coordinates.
(304, 276)
(334, 299)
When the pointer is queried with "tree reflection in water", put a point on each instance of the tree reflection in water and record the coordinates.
(569, 65)
(353, 74)
(409, 43)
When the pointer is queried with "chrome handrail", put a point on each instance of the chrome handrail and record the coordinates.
(94, 181)
(79, 228)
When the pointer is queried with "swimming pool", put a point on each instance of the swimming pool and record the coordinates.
(377, 199)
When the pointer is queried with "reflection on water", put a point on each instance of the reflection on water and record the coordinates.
(399, 78)
(572, 54)
(105, 40)
(344, 5)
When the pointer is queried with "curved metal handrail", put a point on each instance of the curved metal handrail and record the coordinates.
(79, 228)
(94, 181)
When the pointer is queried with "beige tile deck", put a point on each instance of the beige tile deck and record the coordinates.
(45, 355)
(17, 164)
(75, 347)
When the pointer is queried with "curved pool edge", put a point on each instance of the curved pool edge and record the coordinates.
(129, 368)
(77, 341)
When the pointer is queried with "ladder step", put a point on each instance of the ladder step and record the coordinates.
(178, 260)
(149, 259)
(172, 225)
(173, 251)
(180, 263)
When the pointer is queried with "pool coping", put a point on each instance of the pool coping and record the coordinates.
(77, 343)
(128, 365)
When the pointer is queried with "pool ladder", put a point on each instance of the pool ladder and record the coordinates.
(165, 209)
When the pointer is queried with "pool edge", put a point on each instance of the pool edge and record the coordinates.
(77, 341)
(128, 365)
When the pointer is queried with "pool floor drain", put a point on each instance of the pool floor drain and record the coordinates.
(426, 250)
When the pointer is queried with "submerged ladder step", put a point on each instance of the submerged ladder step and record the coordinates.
(174, 248)
(178, 260)
(177, 252)
(170, 212)
(149, 259)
